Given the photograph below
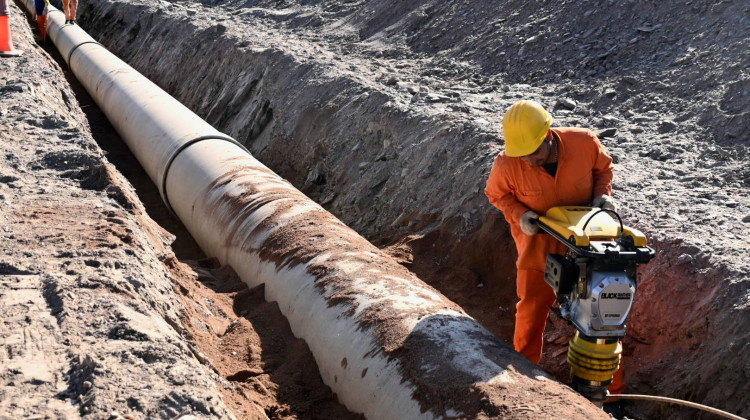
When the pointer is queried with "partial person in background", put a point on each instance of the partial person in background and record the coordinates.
(42, 14)
(70, 8)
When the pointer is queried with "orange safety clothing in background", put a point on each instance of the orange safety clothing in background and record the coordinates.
(584, 171)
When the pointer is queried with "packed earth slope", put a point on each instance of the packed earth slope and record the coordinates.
(387, 113)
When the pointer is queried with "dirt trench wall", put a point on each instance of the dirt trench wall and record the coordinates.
(687, 335)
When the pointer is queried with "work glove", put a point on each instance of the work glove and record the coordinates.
(605, 202)
(527, 226)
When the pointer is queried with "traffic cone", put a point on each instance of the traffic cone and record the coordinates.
(6, 44)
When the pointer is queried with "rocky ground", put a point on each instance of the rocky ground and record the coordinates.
(387, 113)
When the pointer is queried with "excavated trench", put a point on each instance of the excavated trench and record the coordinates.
(379, 167)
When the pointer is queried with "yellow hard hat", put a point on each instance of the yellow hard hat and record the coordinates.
(525, 125)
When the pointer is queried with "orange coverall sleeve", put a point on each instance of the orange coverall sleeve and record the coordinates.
(501, 194)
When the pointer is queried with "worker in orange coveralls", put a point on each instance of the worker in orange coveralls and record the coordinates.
(540, 168)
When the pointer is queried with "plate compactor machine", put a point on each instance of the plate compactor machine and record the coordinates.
(595, 284)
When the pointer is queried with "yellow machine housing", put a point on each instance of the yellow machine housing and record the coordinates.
(569, 222)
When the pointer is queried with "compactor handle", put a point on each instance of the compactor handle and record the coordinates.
(641, 254)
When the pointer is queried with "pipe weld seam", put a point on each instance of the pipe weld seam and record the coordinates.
(70, 54)
(183, 147)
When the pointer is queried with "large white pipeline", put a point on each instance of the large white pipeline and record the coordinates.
(386, 343)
